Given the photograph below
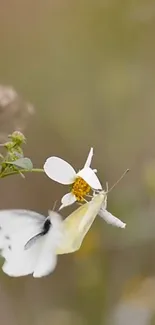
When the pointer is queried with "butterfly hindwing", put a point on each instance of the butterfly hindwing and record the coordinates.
(47, 259)
(16, 229)
(28, 242)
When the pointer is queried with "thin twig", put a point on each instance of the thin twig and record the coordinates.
(14, 172)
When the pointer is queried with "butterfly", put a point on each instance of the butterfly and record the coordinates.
(78, 223)
(28, 242)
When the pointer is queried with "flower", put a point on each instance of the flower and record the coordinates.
(81, 182)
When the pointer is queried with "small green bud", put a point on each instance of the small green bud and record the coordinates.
(17, 137)
(9, 145)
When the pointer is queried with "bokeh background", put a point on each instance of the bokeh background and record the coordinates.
(88, 70)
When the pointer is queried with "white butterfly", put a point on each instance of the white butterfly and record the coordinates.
(28, 242)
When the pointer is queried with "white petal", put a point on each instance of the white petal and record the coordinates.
(67, 199)
(109, 218)
(89, 158)
(90, 177)
(59, 170)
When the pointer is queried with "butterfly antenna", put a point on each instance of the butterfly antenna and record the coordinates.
(111, 188)
(54, 205)
(107, 186)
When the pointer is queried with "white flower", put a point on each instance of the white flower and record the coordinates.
(81, 183)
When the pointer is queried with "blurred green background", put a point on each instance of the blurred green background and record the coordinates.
(88, 68)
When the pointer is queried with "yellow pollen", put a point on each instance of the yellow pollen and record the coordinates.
(80, 188)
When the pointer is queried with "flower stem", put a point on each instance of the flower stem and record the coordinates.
(36, 170)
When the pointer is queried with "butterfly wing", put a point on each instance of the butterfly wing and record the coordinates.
(78, 223)
(47, 258)
(16, 229)
(46, 262)
(20, 262)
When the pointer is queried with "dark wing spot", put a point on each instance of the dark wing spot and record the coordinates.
(9, 247)
(47, 225)
(7, 237)
(0, 228)
(32, 240)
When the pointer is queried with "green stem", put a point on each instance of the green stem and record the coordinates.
(36, 170)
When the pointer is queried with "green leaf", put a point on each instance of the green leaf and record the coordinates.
(24, 163)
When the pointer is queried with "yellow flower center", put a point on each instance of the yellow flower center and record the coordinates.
(80, 188)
